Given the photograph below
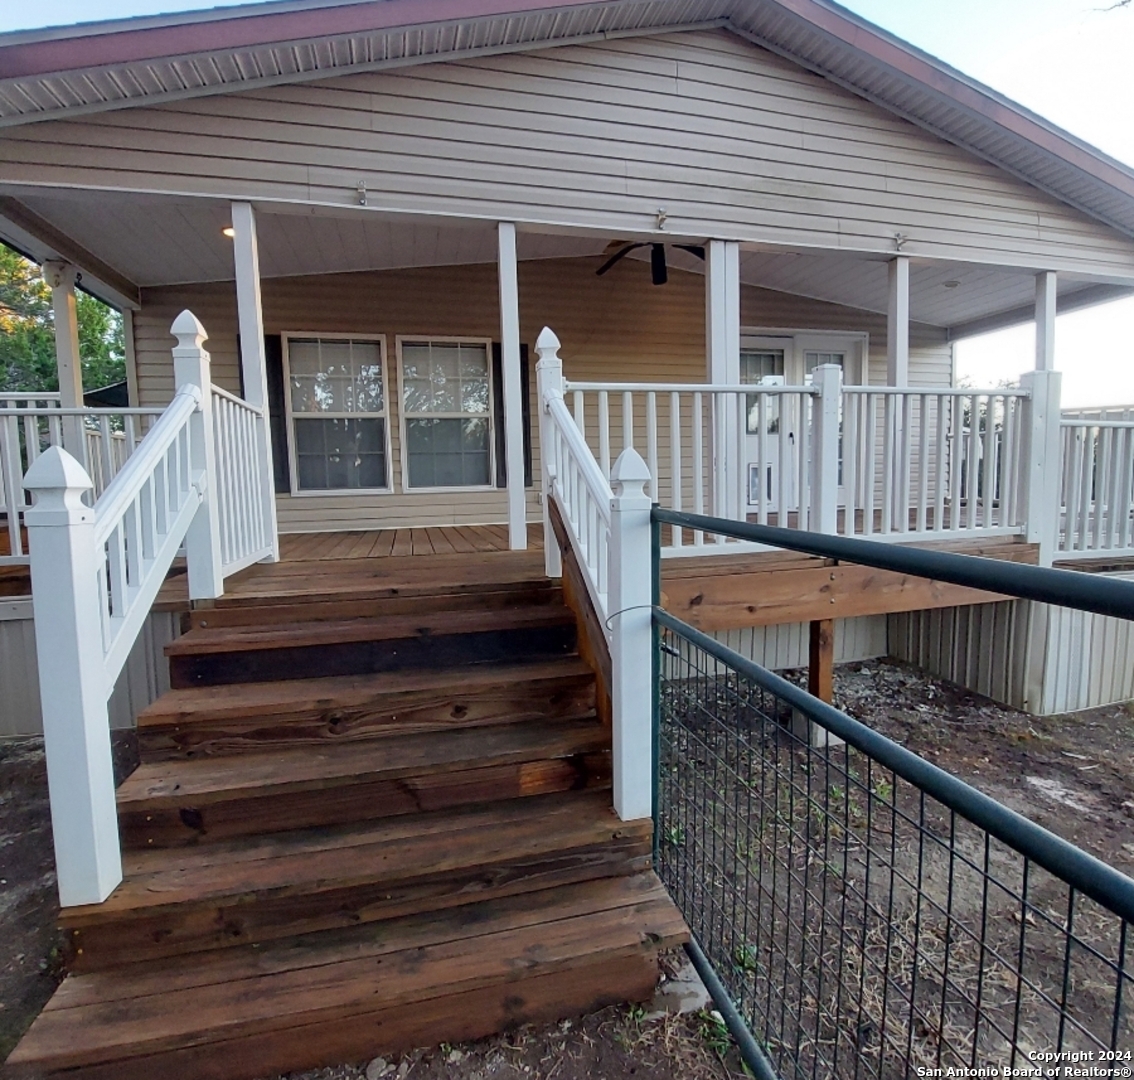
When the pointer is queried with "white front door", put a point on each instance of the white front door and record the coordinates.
(788, 359)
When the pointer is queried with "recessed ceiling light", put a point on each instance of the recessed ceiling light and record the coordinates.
(229, 231)
(951, 284)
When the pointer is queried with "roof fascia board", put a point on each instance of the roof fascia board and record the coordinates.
(932, 129)
(275, 28)
(40, 240)
(357, 69)
(1090, 296)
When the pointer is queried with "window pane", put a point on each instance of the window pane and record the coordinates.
(447, 452)
(340, 453)
(336, 376)
(756, 364)
(445, 377)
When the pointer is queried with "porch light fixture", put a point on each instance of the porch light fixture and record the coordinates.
(229, 231)
(950, 284)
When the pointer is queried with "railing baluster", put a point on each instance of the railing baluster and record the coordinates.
(604, 433)
(12, 478)
(652, 442)
(803, 457)
(923, 463)
(675, 461)
(580, 413)
(888, 463)
(905, 449)
(870, 463)
(990, 451)
(763, 478)
(740, 451)
(698, 452)
(784, 471)
(627, 420)
(851, 404)
(1086, 476)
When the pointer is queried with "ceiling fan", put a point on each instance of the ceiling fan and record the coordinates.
(658, 272)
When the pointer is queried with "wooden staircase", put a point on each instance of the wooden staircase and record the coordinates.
(363, 822)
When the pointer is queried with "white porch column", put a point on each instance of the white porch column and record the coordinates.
(513, 390)
(72, 679)
(253, 362)
(1045, 321)
(1041, 465)
(898, 323)
(722, 332)
(631, 641)
(61, 277)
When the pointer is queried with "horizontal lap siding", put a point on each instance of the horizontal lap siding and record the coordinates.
(732, 140)
(618, 327)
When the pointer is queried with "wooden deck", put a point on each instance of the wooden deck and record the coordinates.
(392, 543)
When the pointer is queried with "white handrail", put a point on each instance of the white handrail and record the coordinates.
(581, 456)
(569, 386)
(114, 502)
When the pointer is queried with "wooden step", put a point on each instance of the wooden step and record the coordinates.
(348, 995)
(413, 600)
(243, 654)
(348, 709)
(168, 803)
(245, 890)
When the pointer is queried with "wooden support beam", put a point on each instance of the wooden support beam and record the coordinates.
(794, 589)
(821, 660)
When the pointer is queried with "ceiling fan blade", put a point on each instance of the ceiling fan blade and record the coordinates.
(615, 257)
(693, 249)
(658, 270)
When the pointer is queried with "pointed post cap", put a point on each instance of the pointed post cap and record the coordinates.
(188, 330)
(59, 483)
(547, 344)
(630, 475)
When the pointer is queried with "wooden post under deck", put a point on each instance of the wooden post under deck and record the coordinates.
(821, 660)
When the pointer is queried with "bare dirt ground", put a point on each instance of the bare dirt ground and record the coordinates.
(1072, 774)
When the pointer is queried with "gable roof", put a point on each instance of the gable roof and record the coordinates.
(68, 71)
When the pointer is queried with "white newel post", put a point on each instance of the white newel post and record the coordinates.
(828, 379)
(72, 679)
(631, 622)
(202, 541)
(253, 360)
(549, 380)
(1041, 462)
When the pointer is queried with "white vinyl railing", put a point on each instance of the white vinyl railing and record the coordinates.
(140, 522)
(605, 514)
(740, 450)
(239, 430)
(100, 439)
(934, 460)
(97, 565)
(1096, 487)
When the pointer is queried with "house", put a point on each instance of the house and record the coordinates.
(755, 228)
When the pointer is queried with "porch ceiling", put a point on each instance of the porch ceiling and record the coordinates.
(153, 241)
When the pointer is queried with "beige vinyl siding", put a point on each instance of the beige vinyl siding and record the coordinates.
(732, 140)
(618, 327)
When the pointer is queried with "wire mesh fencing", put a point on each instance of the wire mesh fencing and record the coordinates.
(868, 914)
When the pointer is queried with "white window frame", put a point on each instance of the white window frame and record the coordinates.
(293, 456)
(445, 339)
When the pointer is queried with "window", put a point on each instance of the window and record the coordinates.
(336, 400)
(756, 365)
(446, 409)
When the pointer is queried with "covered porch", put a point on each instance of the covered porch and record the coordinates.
(731, 368)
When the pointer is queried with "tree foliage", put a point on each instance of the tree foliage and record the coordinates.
(27, 332)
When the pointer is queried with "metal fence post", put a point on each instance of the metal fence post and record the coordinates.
(828, 380)
(631, 621)
(202, 542)
(1041, 462)
(549, 380)
(72, 679)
